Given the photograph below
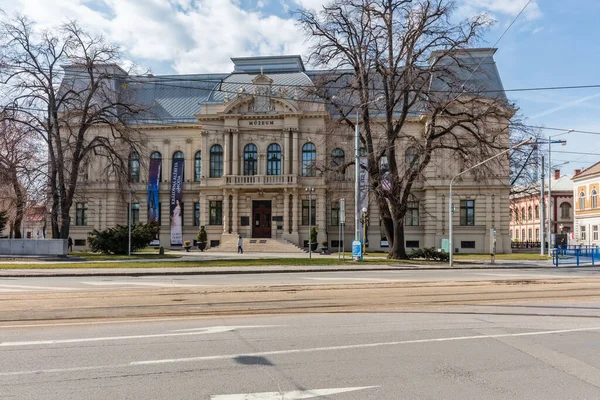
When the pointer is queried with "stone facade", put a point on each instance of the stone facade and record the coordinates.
(251, 150)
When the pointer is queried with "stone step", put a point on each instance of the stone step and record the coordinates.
(253, 245)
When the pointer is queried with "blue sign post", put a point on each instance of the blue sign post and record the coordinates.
(357, 254)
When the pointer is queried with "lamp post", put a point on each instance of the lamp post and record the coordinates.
(310, 190)
(451, 249)
(364, 224)
(129, 224)
(357, 169)
(550, 175)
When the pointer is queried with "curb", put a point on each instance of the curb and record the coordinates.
(38, 274)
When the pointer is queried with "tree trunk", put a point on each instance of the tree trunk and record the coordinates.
(20, 206)
(397, 247)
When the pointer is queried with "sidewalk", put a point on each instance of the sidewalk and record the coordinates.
(264, 269)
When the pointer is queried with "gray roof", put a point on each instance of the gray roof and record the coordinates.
(178, 98)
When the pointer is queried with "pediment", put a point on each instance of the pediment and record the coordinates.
(259, 105)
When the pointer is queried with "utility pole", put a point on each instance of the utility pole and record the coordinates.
(542, 210)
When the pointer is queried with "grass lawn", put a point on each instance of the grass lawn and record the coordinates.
(90, 256)
(206, 263)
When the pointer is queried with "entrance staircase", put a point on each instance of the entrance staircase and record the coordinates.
(252, 245)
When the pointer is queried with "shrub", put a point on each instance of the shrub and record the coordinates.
(202, 237)
(115, 240)
(312, 237)
(429, 253)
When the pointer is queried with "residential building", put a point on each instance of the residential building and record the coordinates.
(247, 145)
(587, 211)
(526, 211)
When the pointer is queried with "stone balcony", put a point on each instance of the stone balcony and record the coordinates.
(259, 180)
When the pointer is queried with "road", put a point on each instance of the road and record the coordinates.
(461, 352)
(90, 283)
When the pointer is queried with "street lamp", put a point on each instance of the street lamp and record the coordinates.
(310, 190)
(450, 208)
(129, 224)
(550, 142)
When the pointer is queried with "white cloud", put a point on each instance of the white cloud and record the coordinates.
(312, 4)
(565, 106)
(192, 36)
(509, 7)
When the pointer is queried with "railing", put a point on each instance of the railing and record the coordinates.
(575, 255)
(260, 180)
(524, 245)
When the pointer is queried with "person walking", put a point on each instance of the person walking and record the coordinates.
(240, 244)
(70, 244)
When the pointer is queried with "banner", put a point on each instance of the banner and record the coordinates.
(175, 202)
(153, 188)
(364, 192)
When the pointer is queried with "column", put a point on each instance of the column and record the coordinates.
(234, 222)
(236, 153)
(205, 154)
(285, 166)
(286, 211)
(203, 209)
(295, 213)
(225, 212)
(226, 151)
(295, 155)
(321, 211)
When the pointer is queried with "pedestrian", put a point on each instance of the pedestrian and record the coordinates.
(240, 245)
(70, 243)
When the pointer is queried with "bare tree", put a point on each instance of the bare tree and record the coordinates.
(409, 53)
(67, 87)
(22, 170)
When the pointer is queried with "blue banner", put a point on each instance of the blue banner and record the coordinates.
(175, 202)
(153, 202)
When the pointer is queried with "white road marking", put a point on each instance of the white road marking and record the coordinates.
(28, 287)
(227, 328)
(204, 331)
(292, 395)
(295, 351)
(359, 346)
(350, 279)
(122, 321)
(153, 284)
(523, 275)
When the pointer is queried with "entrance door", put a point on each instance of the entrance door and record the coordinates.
(261, 219)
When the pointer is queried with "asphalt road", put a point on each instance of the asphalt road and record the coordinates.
(124, 283)
(462, 352)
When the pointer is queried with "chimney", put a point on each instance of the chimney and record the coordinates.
(556, 174)
(577, 172)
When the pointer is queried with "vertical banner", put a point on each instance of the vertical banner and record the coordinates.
(364, 193)
(175, 202)
(153, 187)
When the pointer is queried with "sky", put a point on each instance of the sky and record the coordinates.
(552, 43)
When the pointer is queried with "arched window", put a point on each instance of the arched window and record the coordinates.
(594, 198)
(582, 201)
(156, 157)
(274, 159)
(529, 213)
(178, 156)
(537, 212)
(250, 159)
(565, 210)
(216, 161)
(523, 214)
(134, 167)
(411, 158)
(309, 157)
(197, 166)
(337, 160)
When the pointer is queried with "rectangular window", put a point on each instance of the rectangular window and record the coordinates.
(537, 235)
(313, 212)
(336, 244)
(81, 214)
(215, 212)
(537, 212)
(79, 242)
(413, 244)
(467, 244)
(583, 236)
(335, 214)
(196, 213)
(467, 212)
(215, 243)
(530, 232)
(135, 212)
(594, 232)
(412, 214)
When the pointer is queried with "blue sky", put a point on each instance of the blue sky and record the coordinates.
(553, 43)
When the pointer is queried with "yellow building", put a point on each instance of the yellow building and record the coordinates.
(250, 144)
(586, 189)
